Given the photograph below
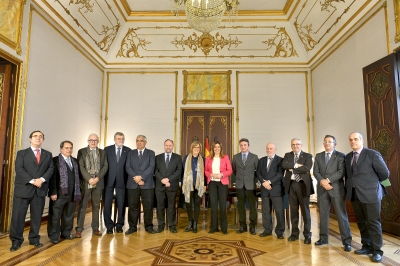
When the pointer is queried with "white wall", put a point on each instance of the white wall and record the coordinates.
(338, 84)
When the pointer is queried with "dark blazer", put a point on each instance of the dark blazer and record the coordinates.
(288, 163)
(173, 173)
(54, 184)
(27, 168)
(116, 172)
(370, 171)
(334, 171)
(275, 175)
(84, 174)
(245, 174)
(145, 169)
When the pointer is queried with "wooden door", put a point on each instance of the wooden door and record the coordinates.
(381, 91)
(198, 124)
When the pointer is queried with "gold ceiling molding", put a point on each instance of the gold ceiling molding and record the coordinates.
(309, 32)
(129, 48)
(107, 33)
(282, 43)
(12, 14)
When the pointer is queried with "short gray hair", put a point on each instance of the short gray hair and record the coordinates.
(93, 134)
(142, 136)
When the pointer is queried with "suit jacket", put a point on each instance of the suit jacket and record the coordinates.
(173, 172)
(274, 175)
(27, 168)
(116, 175)
(54, 184)
(334, 171)
(245, 174)
(370, 171)
(304, 171)
(225, 169)
(84, 174)
(145, 168)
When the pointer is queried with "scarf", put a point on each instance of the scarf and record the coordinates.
(187, 185)
(92, 165)
(64, 178)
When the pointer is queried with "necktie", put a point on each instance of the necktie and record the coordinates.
(354, 163)
(244, 159)
(140, 156)
(118, 154)
(297, 177)
(327, 158)
(38, 156)
(167, 161)
(68, 160)
(269, 163)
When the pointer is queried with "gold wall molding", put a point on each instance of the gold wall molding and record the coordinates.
(10, 33)
(396, 11)
(129, 48)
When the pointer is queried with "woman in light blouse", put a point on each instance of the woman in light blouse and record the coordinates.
(193, 184)
(217, 170)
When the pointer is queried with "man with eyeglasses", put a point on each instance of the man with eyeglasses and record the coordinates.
(329, 170)
(93, 166)
(299, 187)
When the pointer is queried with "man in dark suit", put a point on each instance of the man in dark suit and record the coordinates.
(115, 179)
(33, 170)
(244, 166)
(299, 187)
(140, 167)
(365, 170)
(329, 170)
(168, 174)
(64, 192)
(93, 166)
(270, 175)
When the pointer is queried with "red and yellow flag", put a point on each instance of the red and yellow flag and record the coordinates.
(207, 148)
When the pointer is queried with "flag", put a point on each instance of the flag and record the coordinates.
(207, 148)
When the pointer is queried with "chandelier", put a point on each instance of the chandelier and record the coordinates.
(206, 15)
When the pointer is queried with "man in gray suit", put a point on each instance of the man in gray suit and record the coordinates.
(365, 170)
(329, 170)
(140, 167)
(244, 166)
(93, 166)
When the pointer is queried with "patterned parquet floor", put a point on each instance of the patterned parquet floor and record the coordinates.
(202, 248)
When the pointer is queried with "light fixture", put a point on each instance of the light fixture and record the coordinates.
(206, 15)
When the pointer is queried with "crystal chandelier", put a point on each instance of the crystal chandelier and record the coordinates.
(206, 15)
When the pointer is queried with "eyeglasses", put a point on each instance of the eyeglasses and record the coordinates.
(328, 142)
(93, 140)
(296, 144)
(140, 140)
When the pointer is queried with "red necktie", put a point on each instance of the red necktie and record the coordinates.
(38, 156)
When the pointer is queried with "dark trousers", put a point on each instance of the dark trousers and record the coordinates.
(250, 195)
(369, 223)
(324, 206)
(95, 195)
(267, 203)
(63, 210)
(161, 197)
(193, 205)
(296, 199)
(218, 196)
(134, 196)
(20, 208)
(119, 204)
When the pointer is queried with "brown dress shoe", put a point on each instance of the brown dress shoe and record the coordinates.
(78, 234)
(97, 233)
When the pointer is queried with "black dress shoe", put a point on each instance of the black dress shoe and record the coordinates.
(150, 231)
(347, 248)
(15, 248)
(54, 241)
(130, 231)
(211, 231)
(376, 258)
(265, 233)
(173, 230)
(159, 230)
(37, 245)
(280, 237)
(362, 251)
(307, 240)
(241, 230)
(252, 231)
(293, 238)
(119, 230)
(320, 242)
(225, 232)
(110, 231)
(68, 237)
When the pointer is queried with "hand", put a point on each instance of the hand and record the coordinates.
(168, 184)
(141, 183)
(299, 165)
(291, 170)
(38, 182)
(165, 181)
(96, 179)
(53, 197)
(324, 183)
(137, 178)
(328, 187)
(267, 185)
(91, 181)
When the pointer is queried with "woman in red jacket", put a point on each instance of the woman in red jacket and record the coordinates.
(217, 170)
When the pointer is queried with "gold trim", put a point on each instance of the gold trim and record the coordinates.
(280, 72)
(237, 110)
(176, 106)
(106, 116)
(396, 10)
(17, 44)
(387, 26)
(101, 105)
(312, 110)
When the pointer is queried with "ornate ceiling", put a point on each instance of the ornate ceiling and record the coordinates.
(130, 33)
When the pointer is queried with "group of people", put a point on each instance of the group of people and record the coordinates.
(119, 173)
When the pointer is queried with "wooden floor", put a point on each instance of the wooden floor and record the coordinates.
(142, 248)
